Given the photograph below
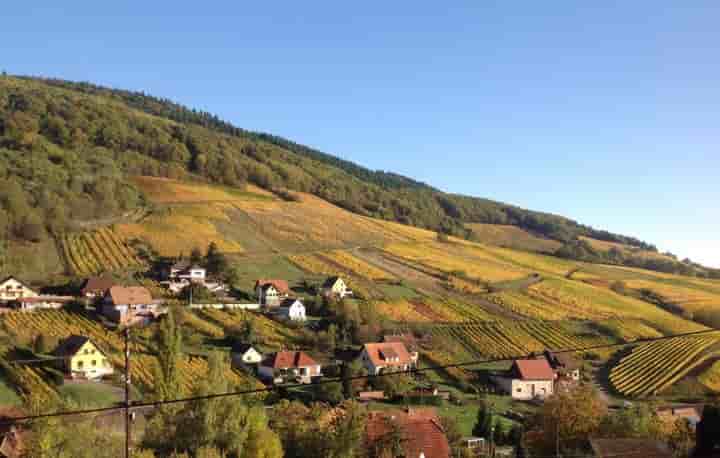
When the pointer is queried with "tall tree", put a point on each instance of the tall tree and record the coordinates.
(484, 421)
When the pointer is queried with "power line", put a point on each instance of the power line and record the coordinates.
(137, 405)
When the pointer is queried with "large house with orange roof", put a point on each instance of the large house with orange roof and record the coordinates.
(387, 357)
(420, 430)
(271, 293)
(289, 366)
(528, 379)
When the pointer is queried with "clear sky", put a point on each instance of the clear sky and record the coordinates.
(606, 112)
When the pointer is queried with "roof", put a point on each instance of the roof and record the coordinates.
(379, 352)
(98, 284)
(288, 359)
(420, 429)
(533, 369)
(631, 448)
(330, 282)
(70, 345)
(280, 285)
(130, 295)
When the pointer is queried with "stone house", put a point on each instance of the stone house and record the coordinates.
(528, 379)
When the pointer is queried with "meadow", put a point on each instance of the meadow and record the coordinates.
(512, 237)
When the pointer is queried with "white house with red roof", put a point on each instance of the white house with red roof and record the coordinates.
(387, 357)
(289, 366)
(528, 379)
(271, 293)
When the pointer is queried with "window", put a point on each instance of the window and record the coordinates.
(94, 363)
(519, 390)
(80, 364)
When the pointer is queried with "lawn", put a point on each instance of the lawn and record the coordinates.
(90, 394)
(8, 396)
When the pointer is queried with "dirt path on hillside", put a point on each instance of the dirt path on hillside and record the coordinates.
(427, 283)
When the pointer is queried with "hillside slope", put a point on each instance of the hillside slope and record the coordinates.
(66, 151)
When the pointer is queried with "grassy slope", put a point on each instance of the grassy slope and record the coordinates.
(512, 237)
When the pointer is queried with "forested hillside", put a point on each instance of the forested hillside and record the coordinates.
(66, 150)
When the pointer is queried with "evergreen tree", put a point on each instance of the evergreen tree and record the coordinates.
(484, 422)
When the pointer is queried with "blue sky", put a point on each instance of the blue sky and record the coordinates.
(604, 112)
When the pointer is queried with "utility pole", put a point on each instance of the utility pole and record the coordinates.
(127, 393)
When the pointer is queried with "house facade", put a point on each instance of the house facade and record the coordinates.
(12, 289)
(245, 355)
(128, 305)
(386, 357)
(528, 379)
(289, 366)
(271, 293)
(335, 287)
(81, 358)
(292, 309)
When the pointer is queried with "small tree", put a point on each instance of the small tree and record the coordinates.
(45, 343)
(484, 421)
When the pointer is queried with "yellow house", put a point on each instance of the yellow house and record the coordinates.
(83, 359)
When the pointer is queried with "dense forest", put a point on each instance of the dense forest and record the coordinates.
(66, 148)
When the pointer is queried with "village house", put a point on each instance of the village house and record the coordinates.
(127, 305)
(386, 357)
(292, 309)
(182, 273)
(96, 287)
(421, 433)
(528, 379)
(289, 366)
(12, 289)
(16, 295)
(335, 287)
(245, 355)
(270, 293)
(81, 358)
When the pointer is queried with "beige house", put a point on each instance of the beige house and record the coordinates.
(129, 305)
(12, 289)
(528, 379)
(387, 357)
(271, 293)
(335, 287)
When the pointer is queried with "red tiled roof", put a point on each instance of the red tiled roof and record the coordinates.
(420, 429)
(288, 359)
(378, 352)
(533, 369)
(630, 448)
(98, 284)
(280, 285)
(130, 295)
